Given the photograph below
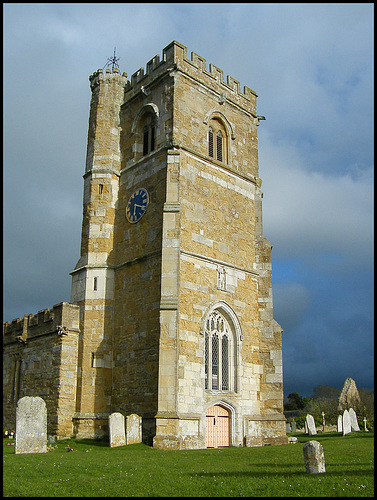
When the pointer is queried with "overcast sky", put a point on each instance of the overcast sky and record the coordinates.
(312, 68)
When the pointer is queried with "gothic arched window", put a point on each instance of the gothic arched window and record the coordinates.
(145, 131)
(219, 356)
(149, 128)
(217, 141)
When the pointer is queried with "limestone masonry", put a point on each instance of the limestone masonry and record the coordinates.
(171, 314)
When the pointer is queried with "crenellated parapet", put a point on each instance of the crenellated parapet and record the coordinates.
(174, 57)
(108, 76)
(59, 320)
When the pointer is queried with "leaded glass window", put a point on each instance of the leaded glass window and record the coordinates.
(219, 354)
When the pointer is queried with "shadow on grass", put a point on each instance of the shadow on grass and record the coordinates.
(281, 473)
(86, 442)
(330, 435)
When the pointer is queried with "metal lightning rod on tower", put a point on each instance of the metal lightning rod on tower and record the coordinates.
(113, 61)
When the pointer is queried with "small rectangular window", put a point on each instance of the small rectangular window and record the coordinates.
(100, 188)
(95, 284)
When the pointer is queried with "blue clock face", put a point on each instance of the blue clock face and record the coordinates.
(137, 205)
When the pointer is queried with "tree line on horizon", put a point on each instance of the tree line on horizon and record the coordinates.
(325, 399)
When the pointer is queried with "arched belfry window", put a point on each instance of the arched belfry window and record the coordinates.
(217, 141)
(149, 133)
(145, 131)
(219, 353)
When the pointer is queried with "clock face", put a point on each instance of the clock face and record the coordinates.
(137, 205)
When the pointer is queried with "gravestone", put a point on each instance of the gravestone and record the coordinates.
(354, 423)
(314, 457)
(133, 429)
(346, 423)
(340, 423)
(293, 425)
(288, 427)
(117, 430)
(31, 426)
(365, 424)
(312, 430)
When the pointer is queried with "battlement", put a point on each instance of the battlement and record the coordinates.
(174, 56)
(60, 319)
(109, 76)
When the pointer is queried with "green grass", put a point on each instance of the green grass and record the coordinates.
(96, 470)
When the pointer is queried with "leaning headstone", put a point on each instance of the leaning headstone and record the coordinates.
(346, 423)
(311, 425)
(314, 457)
(340, 423)
(133, 429)
(293, 425)
(117, 430)
(354, 423)
(288, 427)
(31, 426)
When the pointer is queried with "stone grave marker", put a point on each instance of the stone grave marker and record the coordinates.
(31, 425)
(314, 457)
(293, 425)
(288, 427)
(354, 423)
(312, 430)
(346, 423)
(340, 423)
(365, 424)
(133, 429)
(117, 430)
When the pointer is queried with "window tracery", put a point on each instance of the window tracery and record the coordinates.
(219, 354)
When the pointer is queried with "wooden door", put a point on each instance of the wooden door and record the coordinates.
(217, 427)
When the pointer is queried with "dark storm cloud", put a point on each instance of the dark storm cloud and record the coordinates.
(312, 67)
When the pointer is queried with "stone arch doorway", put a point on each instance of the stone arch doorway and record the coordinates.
(217, 427)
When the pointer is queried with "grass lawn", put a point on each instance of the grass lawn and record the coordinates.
(95, 470)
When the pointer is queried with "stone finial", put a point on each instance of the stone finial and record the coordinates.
(314, 457)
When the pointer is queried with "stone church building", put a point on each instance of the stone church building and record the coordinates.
(171, 314)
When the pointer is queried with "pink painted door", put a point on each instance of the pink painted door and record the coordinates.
(217, 427)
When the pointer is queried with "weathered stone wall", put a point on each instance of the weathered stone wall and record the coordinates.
(145, 290)
(93, 276)
(40, 359)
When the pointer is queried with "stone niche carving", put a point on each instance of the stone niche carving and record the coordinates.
(221, 278)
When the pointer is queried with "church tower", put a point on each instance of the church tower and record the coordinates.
(93, 276)
(174, 276)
